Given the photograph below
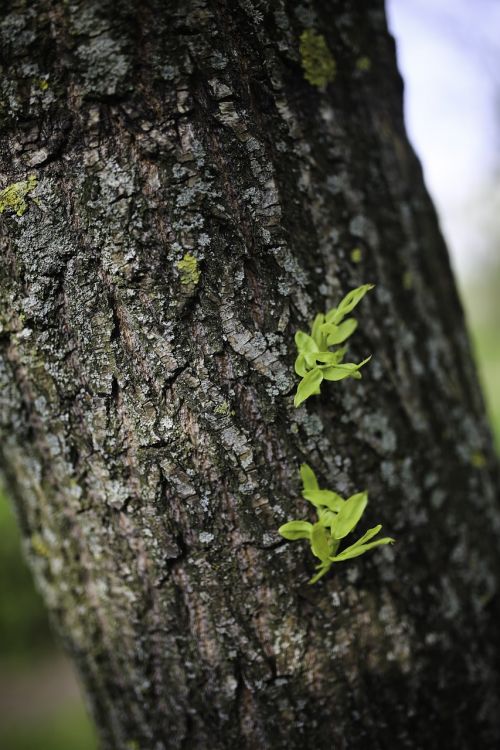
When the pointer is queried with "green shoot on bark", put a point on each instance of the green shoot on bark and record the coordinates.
(337, 517)
(316, 359)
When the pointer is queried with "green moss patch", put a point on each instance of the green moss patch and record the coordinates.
(13, 197)
(317, 60)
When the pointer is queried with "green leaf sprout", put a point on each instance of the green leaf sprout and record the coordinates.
(336, 519)
(316, 361)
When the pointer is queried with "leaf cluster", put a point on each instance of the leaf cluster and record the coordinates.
(320, 356)
(337, 517)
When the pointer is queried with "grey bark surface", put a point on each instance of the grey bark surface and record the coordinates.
(147, 427)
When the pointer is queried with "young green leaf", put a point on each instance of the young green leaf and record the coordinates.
(326, 517)
(309, 481)
(296, 530)
(349, 515)
(356, 551)
(328, 358)
(304, 342)
(330, 315)
(337, 334)
(300, 366)
(334, 545)
(368, 535)
(331, 358)
(306, 346)
(345, 370)
(340, 372)
(316, 332)
(308, 386)
(319, 542)
(349, 302)
(325, 498)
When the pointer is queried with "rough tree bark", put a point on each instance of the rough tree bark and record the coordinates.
(148, 433)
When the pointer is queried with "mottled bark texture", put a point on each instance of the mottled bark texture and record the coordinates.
(148, 433)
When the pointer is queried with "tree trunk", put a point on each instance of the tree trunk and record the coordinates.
(200, 192)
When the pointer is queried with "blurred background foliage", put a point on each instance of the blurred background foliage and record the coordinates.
(449, 58)
(483, 308)
(24, 630)
(40, 705)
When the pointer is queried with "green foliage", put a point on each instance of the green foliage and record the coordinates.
(66, 727)
(13, 196)
(317, 61)
(483, 312)
(316, 360)
(296, 530)
(337, 518)
(24, 628)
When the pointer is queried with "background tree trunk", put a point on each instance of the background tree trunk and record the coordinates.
(148, 432)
